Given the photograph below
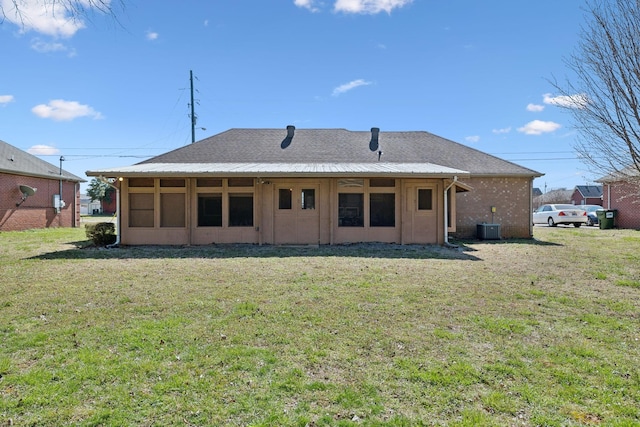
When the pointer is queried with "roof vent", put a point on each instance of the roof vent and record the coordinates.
(287, 139)
(374, 144)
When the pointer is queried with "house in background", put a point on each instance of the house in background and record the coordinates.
(587, 195)
(30, 189)
(622, 193)
(320, 186)
(88, 206)
(557, 196)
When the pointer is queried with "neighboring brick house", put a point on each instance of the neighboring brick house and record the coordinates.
(320, 186)
(587, 195)
(622, 194)
(19, 212)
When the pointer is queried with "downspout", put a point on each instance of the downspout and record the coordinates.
(106, 181)
(446, 210)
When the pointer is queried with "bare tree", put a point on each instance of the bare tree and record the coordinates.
(604, 98)
(18, 10)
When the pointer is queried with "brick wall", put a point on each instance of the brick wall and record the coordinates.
(511, 198)
(37, 211)
(625, 197)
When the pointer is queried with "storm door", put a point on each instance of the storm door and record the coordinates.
(297, 218)
(421, 207)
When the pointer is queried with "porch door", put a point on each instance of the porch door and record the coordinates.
(297, 214)
(421, 207)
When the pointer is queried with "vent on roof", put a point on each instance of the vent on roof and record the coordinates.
(374, 143)
(287, 139)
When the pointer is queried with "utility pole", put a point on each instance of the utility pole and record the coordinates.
(193, 115)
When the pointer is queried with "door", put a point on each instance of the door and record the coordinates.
(421, 208)
(297, 217)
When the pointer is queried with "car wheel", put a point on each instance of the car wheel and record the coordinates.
(551, 222)
(577, 224)
(589, 222)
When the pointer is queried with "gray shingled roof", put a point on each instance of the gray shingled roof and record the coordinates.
(339, 146)
(18, 162)
(590, 191)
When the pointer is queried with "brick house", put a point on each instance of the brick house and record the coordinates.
(320, 186)
(587, 195)
(19, 211)
(622, 194)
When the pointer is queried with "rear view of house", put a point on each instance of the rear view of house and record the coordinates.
(34, 193)
(319, 186)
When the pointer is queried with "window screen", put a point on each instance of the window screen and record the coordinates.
(425, 199)
(382, 210)
(351, 210)
(140, 209)
(241, 210)
(210, 210)
(172, 210)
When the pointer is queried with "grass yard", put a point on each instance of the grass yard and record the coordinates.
(518, 333)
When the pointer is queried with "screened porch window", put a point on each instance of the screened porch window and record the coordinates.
(172, 210)
(425, 199)
(284, 198)
(308, 199)
(241, 210)
(382, 210)
(351, 210)
(140, 209)
(210, 210)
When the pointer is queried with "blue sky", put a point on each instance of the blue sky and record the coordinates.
(106, 93)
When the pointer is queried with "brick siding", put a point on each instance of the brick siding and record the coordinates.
(625, 197)
(511, 198)
(37, 211)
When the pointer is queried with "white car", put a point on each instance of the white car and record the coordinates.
(553, 215)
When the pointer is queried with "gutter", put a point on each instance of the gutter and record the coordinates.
(106, 181)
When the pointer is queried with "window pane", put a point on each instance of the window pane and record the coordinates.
(284, 198)
(425, 202)
(382, 182)
(141, 210)
(140, 182)
(172, 210)
(240, 182)
(210, 210)
(309, 199)
(348, 182)
(350, 210)
(209, 182)
(241, 210)
(382, 210)
(171, 182)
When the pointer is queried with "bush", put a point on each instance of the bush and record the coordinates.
(102, 233)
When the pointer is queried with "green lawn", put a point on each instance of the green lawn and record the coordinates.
(518, 333)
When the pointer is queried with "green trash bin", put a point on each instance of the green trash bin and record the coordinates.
(606, 218)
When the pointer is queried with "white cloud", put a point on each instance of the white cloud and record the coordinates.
(61, 110)
(538, 127)
(47, 47)
(43, 150)
(368, 6)
(536, 108)
(348, 86)
(5, 99)
(473, 138)
(152, 35)
(306, 4)
(501, 131)
(568, 101)
(44, 16)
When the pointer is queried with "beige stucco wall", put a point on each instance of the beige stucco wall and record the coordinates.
(511, 198)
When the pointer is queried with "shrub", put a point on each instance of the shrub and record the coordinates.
(102, 233)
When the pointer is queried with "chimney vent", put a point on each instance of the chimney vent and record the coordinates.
(373, 144)
(290, 130)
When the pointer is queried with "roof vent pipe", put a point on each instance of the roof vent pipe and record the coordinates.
(374, 144)
(290, 130)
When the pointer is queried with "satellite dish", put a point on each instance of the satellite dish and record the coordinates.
(27, 191)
